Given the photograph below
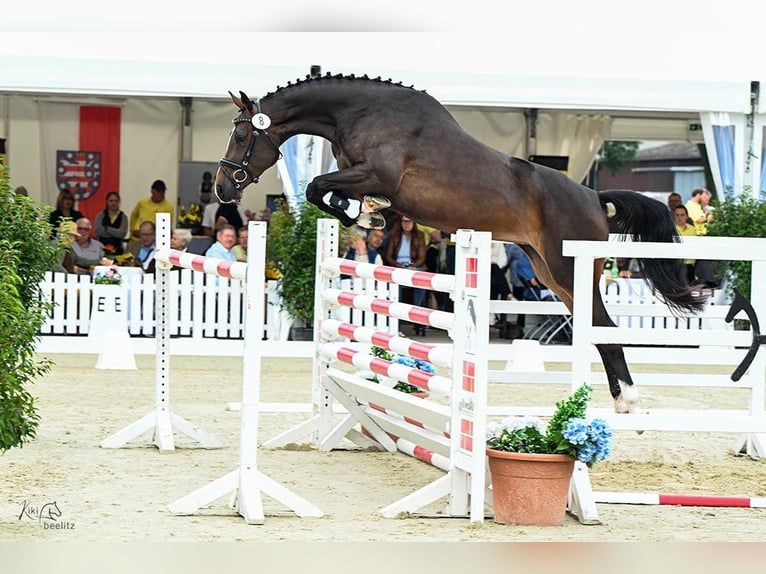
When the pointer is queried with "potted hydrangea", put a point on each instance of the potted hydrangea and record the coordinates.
(531, 463)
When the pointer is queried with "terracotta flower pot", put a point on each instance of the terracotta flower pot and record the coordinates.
(530, 489)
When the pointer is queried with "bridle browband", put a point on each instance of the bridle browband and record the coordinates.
(241, 170)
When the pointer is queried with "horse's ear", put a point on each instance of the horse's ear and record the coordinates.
(236, 100)
(246, 102)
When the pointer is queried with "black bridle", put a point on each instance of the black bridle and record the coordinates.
(241, 171)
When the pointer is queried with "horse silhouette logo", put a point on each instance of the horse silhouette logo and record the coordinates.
(50, 511)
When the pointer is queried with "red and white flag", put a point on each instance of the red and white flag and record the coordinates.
(80, 150)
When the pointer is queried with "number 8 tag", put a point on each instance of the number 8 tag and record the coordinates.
(261, 121)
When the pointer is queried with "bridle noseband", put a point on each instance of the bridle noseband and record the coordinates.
(241, 171)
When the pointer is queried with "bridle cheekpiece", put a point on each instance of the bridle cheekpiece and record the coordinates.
(260, 122)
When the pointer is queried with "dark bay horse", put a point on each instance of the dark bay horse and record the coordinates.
(394, 142)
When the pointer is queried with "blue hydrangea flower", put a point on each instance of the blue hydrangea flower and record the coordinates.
(576, 431)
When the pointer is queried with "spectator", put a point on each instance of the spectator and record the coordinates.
(179, 239)
(112, 225)
(205, 190)
(147, 209)
(365, 249)
(216, 215)
(699, 209)
(240, 249)
(145, 249)
(21, 190)
(87, 252)
(226, 237)
(436, 254)
(406, 248)
(674, 200)
(686, 229)
(64, 210)
(533, 289)
(67, 235)
(701, 213)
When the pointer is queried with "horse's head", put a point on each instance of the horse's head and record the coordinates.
(249, 153)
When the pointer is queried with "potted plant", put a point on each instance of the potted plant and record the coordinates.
(109, 277)
(531, 463)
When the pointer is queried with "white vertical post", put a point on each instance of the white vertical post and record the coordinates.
(582, 320)
(468, 400)
(161, 419)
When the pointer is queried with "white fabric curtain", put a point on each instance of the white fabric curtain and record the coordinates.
(725, 142)
(577, 136)
(503, 130)
(59, 129)
(303, 158)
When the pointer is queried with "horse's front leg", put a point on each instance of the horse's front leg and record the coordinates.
(352, 195)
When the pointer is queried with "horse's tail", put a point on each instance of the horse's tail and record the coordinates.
(646, 219)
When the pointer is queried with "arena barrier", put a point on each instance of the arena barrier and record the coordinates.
(723, 346)
(246, 483)
(398, 421)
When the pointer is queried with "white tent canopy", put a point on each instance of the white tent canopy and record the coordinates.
(575, 107)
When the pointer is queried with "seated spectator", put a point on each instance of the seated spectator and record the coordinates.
(66, 236)
(145, 249)
(225, 237)
(179, 239)
(86, 251)
(240, 249)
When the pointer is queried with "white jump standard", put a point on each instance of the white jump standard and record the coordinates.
(451, 437)
(161, 419)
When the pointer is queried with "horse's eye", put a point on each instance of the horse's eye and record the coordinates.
(240, 134)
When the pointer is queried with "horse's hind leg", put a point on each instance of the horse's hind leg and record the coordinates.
(558, 273)
(621, 385)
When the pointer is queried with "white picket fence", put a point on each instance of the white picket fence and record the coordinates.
(207, 313)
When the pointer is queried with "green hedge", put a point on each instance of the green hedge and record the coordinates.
(742, 216)
(26, 253)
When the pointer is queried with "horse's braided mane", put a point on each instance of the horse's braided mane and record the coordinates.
(328, 77)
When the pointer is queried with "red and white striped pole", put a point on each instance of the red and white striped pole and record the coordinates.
(437, 355)
(421, 315)
(401, 276)
(655, 498)
(365, 361)
(211, 265)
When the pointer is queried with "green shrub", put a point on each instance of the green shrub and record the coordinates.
(26, 253)
(291, 245)
(741, 216)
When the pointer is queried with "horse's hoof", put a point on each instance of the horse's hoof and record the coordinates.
(375, 203)
(371, 221)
